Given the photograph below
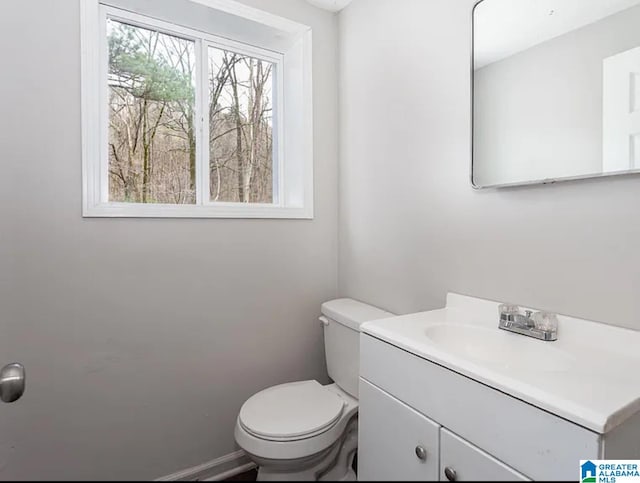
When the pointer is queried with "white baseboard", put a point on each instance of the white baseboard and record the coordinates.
(215, 470)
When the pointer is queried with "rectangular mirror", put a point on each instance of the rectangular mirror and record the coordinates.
(556, 90)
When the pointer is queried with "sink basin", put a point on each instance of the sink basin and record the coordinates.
(498, 348)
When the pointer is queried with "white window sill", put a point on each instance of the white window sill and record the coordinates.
(221, 210)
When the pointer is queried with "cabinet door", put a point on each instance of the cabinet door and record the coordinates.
(461, 461)
(395, 442)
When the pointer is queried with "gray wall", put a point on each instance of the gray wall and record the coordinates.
(141, 338)
(539, 112)
(412, 228)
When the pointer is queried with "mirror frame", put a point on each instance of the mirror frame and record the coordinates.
(518, 183)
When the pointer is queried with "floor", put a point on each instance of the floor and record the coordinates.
(247, 476)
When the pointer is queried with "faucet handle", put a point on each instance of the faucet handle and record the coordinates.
(508, 309)
(546, 321)
(508, 312)
(528, 313)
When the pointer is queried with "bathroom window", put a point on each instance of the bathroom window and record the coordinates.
(178, 122)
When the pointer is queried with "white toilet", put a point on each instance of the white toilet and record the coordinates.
(303, 430)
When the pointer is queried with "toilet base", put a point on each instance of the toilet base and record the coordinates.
(333, 464)
(342, 468)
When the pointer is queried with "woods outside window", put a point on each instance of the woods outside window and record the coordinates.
(183, 123)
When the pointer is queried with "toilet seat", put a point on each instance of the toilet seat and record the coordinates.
(291, 412)
(306, 446)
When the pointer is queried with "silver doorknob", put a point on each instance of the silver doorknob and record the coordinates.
(12, 382)
(450, 473)
(421, 453)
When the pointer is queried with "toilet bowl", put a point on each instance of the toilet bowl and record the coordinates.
(304, 431)
(296, 431)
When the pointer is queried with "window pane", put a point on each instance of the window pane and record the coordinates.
(152, 145)
(241, 128)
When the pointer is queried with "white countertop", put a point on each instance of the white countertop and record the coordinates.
(590, 375)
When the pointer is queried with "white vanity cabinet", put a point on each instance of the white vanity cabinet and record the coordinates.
(469, 428)
(398, 443)
(446, 395)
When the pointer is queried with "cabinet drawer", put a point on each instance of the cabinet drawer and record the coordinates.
(532, 441)
(389, 434)
(465, 462)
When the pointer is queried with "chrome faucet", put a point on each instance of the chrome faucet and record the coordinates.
(513, 320)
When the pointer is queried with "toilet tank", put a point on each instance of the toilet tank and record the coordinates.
(342, 319)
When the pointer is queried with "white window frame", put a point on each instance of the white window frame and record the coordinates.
(292, 101)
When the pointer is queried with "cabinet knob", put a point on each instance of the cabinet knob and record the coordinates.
(421, 453)
(450, 473)
(11, 382)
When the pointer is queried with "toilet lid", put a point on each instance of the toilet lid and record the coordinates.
(291, 411)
